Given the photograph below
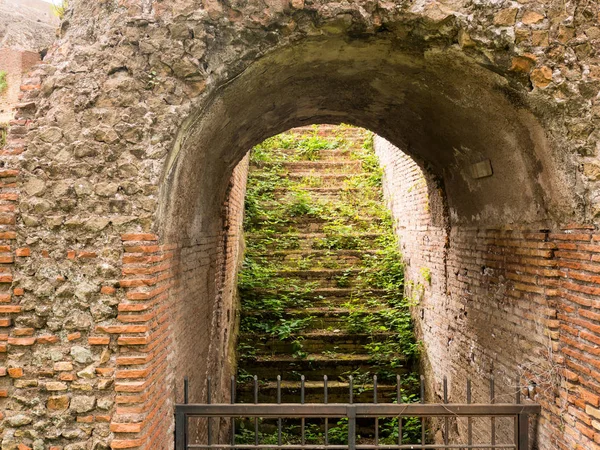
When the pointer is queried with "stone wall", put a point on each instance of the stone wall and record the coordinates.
(518, 303)
(27, 25)
(119, 163)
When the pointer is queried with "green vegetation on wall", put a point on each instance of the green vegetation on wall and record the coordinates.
(3, 81)
(60, 9)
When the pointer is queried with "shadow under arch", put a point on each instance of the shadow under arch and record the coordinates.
(435, 105)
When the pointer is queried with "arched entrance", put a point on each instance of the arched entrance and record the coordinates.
(121, 243)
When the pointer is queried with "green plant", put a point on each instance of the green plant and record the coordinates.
(3, 81)
(60, 9)
(426, 274)
(356, 238)
(152, 80)
(301, 204)
(3, 134)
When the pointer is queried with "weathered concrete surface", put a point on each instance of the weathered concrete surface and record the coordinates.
(145, 108)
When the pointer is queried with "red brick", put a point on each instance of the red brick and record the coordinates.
(23, 332)
(119, 329)
(131, 340)
(125, 427)
(23, 252)
(15, 372)
(87, 254)
(570, 236)
(139, 237)
(98, 340)
(22, 342)
(589, 397)
(85, 419)
(47, 339)
(73, 336)
(108, 290)
(118, 444)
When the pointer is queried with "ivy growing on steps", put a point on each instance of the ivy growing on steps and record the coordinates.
(322, 266)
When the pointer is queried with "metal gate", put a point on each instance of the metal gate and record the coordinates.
(212, 414)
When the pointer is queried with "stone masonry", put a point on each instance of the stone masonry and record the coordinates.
(120, 207)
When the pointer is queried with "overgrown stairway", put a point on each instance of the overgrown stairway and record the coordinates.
(321, 284)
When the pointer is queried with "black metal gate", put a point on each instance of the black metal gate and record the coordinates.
(517, 412)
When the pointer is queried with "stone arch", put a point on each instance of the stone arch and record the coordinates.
(143, 110)
(443, 110)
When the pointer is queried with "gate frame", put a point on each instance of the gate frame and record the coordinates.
(353, 411)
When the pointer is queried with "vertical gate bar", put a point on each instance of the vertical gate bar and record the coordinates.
(233, 418)
(208, 399)
(351, 386)
(523, 432)
(375, 402)
(255, 402)
(325, 400)
(398, 401)
(351, 413)
(469, 419)
(302, 420)
(279, 402)
(422, 391)
(180, 427)
(517, 401)
(186, 390)
(186, 400)
(493, 400)
(446, 419)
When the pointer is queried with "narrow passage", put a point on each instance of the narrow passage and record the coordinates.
(321, 285)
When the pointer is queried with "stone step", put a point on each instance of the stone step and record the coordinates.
(337, 392)
(313, 240)
(317, 258)
(318, 297)
(333, 194)
(320, 166)
(317, 312)
(316, 179)
(318, 365)
(313, 342)
(305, 225)
(332, 131)
(290, 154)
(322, 278)
(316, 253)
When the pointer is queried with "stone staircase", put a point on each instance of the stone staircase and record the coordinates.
(311, 302)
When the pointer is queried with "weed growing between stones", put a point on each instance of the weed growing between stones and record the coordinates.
(3, 81)
(322, 281)
(3, 134)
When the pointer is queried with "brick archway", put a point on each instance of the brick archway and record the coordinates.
(123, 238)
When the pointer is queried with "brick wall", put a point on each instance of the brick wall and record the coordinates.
(15, 63)
(519, 302)
(190, 305)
